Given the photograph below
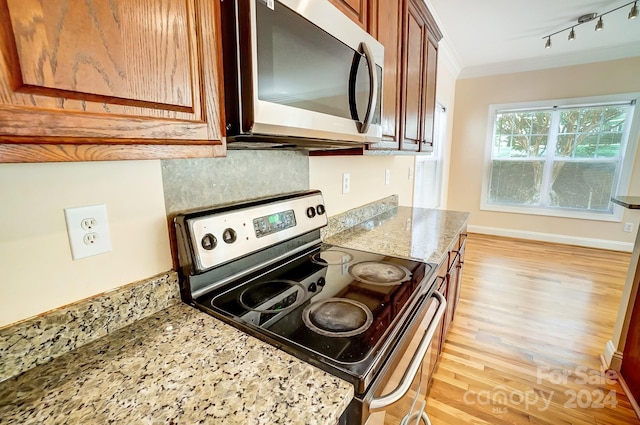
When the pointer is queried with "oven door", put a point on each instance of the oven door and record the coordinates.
(399, 396)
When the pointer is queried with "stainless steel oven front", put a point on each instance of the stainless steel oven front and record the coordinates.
(398, 396)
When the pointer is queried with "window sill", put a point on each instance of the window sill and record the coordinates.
(616, 216)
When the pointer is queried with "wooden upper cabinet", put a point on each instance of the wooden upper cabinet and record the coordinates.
(387, 28)
(117, 79)
(410, 38)
(430, 96)
(356, 10)
(420, 59)
(414, 77)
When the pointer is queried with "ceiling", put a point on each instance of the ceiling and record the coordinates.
(501, 36)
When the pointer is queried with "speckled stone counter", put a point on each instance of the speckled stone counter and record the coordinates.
(179, 366)
(37, 340)
(414, 233)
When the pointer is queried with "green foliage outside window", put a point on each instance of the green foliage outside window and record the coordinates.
(566, 158)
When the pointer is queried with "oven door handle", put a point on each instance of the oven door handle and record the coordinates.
(378, 403)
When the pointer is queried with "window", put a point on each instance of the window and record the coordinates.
(565, 160)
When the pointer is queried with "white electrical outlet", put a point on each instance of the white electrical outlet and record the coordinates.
(387, 176)
(346, 182)
(410, 176)
(88, 229)
(628, 227)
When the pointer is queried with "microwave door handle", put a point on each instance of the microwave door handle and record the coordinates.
(379, 403)
(363, 126)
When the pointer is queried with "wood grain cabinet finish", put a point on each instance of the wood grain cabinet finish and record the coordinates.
(119, 79)
(356, 10)
(410, 36)
(418, 77)
(450, 276)
(429, 96)
(388, 31)
(631, 355)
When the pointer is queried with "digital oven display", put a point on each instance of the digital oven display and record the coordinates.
(272, 223)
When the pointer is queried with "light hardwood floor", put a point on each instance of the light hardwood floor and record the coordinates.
(525, 344)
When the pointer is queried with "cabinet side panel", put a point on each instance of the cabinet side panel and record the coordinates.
(430, 96)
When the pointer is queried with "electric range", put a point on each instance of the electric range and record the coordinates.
(261, 266)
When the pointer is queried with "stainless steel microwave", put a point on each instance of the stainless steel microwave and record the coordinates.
(299, 73)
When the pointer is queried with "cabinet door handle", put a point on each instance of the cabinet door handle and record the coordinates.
(396, 394)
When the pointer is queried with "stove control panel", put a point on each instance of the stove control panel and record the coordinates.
(229, 233)
(274, 223)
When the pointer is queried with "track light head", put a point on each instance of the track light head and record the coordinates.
(600, 24)
(547, 45)
(634, 11)
(572, 35)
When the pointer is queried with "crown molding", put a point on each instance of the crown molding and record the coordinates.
(622, 51)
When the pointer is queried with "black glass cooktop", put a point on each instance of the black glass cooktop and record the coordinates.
(331, 303)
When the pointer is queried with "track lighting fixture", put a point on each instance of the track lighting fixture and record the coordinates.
(600, 24)
(633, 13)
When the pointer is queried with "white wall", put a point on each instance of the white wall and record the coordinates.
(445, 95)
(470, 122)
(36, 269)
(367, 179)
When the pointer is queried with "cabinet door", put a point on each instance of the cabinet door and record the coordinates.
(387, 29)
(82, 80)
(430, 96)
(413, 72)
(631, 356)
(356, 10)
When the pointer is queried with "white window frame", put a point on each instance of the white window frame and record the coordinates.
(626, 164)
(435, 156)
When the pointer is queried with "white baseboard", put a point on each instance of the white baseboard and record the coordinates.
(612, 357)
(555, 238)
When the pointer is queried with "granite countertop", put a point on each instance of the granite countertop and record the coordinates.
(182, 366)
(178, 366)
(631, 202)
(413, 233)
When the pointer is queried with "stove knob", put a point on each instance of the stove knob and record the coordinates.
(311, 212)
(321, 281)
(320, 209)
(229, 235)
(312, 287)
(209, 242)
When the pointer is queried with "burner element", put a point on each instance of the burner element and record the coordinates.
(273, 296)
(379, 273)
(332, 257)
(337, 317)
